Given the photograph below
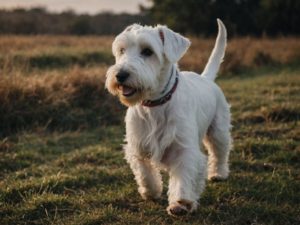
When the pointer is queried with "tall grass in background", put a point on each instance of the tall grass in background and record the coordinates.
(57, 82)
(61, 135)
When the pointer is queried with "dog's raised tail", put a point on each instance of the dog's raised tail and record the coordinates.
(216, 57)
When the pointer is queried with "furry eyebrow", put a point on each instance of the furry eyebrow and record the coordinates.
(145, 42)
(146, 45)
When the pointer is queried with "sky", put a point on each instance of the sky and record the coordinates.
(79, 6)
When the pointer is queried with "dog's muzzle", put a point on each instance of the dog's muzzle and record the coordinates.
(126, 90)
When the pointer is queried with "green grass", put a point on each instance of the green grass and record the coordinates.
(61, 159)
(80, 177)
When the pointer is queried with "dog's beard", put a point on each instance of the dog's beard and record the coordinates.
(136, 98)
(131, 94)
(127, 94)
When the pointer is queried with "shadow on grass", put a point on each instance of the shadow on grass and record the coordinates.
(68, 185)
(32, 150)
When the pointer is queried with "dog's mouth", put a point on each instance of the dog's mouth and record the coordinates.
(126, 90)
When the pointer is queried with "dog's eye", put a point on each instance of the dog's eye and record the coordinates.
(146, 52)
(122, 50)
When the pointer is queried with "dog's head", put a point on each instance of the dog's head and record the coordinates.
(143, 54)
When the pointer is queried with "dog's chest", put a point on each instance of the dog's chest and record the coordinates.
(150, 132)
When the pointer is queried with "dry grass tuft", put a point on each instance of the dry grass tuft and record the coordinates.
(57, 81)
(71, 101)
(244, 53)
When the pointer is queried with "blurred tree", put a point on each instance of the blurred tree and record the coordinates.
(242, 17)
(279, 17)
(40, 21)
(183, 16)
(81, 26)
(238, 15)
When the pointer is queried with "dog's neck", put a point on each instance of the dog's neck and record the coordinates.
(170, 79)
(168, 85)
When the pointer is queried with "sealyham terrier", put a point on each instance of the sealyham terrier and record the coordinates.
(170, 113)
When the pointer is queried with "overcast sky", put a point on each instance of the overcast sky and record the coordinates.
(79, 6)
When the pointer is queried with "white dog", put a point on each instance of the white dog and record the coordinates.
(170, 113)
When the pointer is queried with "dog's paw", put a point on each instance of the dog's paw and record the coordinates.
(181, 208)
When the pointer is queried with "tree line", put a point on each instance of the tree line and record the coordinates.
(242, 17)
(40, 21)
(196, 17)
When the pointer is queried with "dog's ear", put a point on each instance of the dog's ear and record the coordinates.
(175, 45)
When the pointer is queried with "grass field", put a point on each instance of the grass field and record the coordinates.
(61, 160)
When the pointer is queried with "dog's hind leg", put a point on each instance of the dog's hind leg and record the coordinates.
(218, 143)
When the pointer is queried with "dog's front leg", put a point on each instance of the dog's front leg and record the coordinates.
(187, 181)
(147, 176)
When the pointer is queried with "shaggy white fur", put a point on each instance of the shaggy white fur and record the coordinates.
(169, 136)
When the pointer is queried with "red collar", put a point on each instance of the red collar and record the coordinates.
(164, 99)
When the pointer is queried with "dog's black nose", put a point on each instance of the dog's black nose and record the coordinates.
(122, 76)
